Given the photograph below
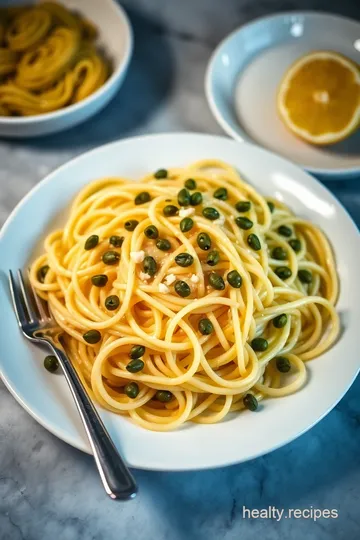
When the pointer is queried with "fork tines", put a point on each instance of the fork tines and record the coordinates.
(28, 306)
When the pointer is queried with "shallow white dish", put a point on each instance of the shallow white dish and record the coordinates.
(244, 436)
(245, 71)
(115, 38)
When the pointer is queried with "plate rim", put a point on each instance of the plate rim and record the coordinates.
(78, 442)
(241, 135)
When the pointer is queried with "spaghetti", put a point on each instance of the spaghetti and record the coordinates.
(187, 295)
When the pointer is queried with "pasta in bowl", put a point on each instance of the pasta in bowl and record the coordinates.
(58, 67)
(51, 59)
(188, 296)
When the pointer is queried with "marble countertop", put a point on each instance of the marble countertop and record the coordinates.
(50, 490)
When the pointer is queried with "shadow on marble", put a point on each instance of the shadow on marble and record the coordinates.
(325, 457)
(148, 83)
(199, 505)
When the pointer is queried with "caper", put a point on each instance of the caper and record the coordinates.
(254, 242)
(92, 336)
(91, 242)
(184, 259)
(213, 258)
(243, 206)
(132, 390)
(164, 396)
(244, 223)
(283, 365)
(183, 197)
(283, 272)
(136, 365)
(280, 320)
(305, 276)
(151, 232)
(182, 288)
(234, 279)
(112, 302)
(250, 402)
(163, 244)
(190, 184)
(216, 281)
(116, 241)
(295, 244)
(259, 344)
(170, 210)
(271, 206)
(51, 363)
(196, 198)
(131, 224)
(210, 213)
(100, 280)
(142, 197)
(284, 230)
(149, 265)
(111, 257)
(204, 241)
(279, 253)
(221, 194)
(41, 273)
(186, 224)
(136, 351)
(160, 173)
(205, 327)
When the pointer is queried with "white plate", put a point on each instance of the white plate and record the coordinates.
(246, 69)
(243, 436)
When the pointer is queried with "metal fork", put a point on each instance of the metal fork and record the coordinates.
(39, 327)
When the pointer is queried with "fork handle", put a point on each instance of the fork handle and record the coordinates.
(117, 480)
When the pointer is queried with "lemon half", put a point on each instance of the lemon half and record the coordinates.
(319, 97)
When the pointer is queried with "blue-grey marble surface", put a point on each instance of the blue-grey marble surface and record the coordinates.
(48, 489)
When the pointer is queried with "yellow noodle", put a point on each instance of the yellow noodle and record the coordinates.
(25, 103)
(61, 15)
(28, 29)
(38, 69)
(207, 375)
(90, 73)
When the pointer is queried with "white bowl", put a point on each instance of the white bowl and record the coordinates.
(194, 446)
(115, 37)
(244, 74)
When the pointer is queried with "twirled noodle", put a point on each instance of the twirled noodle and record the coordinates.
(28, 104)
(64, 17)
(48, 60)
(220, 340)
(90, 73)
(28, 29)
(61, 15)
(38, 69)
